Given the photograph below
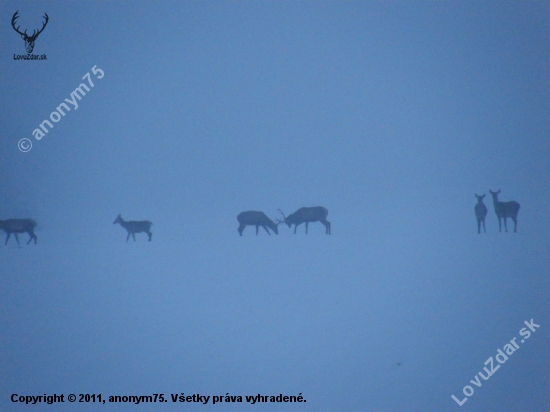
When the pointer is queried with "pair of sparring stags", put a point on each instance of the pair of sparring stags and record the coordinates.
(305, 215)
(250, 218)
(503, 210)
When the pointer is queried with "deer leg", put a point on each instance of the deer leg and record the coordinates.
(7, 237)
(127, 237)
(267, 230)
(484, 231)
(134, 236)
(149, 234)
(257, 228)
(515, 225)
(241, 228)
(307, 224)
(17, 238)
(505, 226)
(31, 237)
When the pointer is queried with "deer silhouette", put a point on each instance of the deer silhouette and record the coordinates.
(29, 40)
(481, 212)
(16, 226)
(133, 227)
(307, 215)
(504, 210)
(253, 218)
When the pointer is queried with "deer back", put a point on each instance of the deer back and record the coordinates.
(138, 226)
(308, 214)
(253, 218)
(17, 225)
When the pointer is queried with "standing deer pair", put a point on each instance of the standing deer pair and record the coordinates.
(503, 210)
(303, 215)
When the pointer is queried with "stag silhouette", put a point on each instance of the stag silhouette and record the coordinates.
(505, 210)
(253, 218)
(307, 215)
(29, 40)
(481, 212)
(133, 227)
(16, 226)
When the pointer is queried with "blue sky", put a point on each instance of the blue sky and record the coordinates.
(389, 114)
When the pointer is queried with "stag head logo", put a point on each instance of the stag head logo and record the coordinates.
(29, 40)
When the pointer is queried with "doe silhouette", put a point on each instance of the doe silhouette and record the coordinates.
(307, 215)
(505, 210)
(253, 218)
(133, 227)
(16, 226)
(481, 212)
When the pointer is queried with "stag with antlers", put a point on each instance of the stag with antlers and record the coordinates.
(254, 218)
(307, 215)
(29, 40)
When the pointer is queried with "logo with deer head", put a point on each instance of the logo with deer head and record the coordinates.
(29, 40)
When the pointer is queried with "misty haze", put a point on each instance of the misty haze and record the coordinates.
(275, 199)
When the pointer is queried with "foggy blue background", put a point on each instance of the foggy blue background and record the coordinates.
(390, 114)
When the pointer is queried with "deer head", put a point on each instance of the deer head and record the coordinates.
(29, 40)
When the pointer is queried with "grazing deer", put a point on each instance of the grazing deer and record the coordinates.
(481, 212)
(133, 227)
(16, 226)
(253, 218)
(307, 215)
(504, 210)
(29, 40)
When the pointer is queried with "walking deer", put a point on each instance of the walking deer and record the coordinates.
(307, 215)
(481, 212)
(253, 218)
(133, 227)
(504, 210)
(16, 226)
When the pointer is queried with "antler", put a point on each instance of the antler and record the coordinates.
(34, 36)
(34, 33)
(15, 16)
(284, 217)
